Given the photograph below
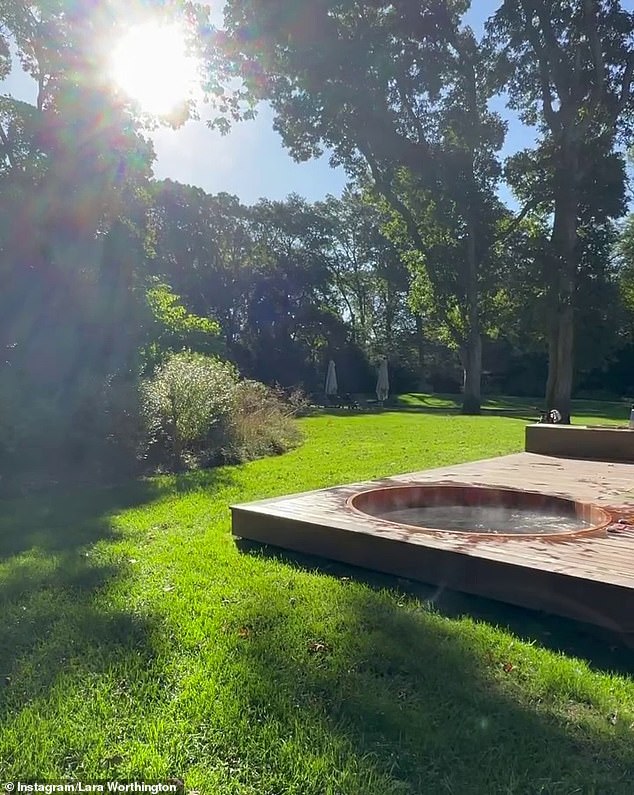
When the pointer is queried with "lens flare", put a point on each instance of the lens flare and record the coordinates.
(152, 65)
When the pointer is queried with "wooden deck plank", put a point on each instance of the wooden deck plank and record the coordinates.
(577, 559)
(611, 544)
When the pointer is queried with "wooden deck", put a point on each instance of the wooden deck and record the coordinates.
(588, 578)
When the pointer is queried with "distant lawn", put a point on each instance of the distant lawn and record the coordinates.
(138, 641)
(583, 411)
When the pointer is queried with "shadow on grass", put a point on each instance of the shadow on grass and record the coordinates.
(363, 411)
(438, 411)
(527, 413)
(62, 519)
(419, 703)
(450, 406)
(65, 519)
(58, 617)
(602, 650)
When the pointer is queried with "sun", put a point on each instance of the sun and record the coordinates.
(151, 64)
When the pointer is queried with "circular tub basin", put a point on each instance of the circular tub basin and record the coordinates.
(480, 511)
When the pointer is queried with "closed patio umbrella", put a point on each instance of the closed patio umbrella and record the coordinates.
(331, 387)
(382, 382)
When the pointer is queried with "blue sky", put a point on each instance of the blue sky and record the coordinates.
(250, 162)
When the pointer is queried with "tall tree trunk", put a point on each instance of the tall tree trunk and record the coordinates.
(562, 390)
(389, 316)
(471, 358)
(564, 243)
(471, 355)
(553, 336)
(560, 363)
(420, 348)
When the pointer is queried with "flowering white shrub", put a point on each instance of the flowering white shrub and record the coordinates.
(188, 400)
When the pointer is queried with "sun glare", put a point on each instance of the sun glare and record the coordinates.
(151, 64)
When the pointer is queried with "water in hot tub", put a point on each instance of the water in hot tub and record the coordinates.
(487, 519)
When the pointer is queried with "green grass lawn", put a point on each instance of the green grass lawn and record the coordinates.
(138, 640)
(585, 412)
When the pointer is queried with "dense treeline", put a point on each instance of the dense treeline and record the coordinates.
(109, 276)
(291, 284)
(294, 284)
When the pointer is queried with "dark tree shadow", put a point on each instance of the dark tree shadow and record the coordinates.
(65, 519)
(602, 650)
(416, 704)
(58, 619)
(438, 411)
(61, 519)
(418, 701)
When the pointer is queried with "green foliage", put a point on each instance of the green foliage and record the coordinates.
(198, 410)
(369, 276)
(567, 67)
(174, 328)
(401, 91)
(174, 317)
(187, 403)
(625, 252)
(72, 166)
(93, 432)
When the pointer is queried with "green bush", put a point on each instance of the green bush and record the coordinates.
(32, 428)
(187, 403)
(262, 421)
(199, 414)
(90, 430)
(121, 440)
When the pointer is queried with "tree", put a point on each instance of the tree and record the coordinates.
(457, 280)
(292, 319)
(365, 268)
(263, 272)
(72, 169)
(398, 88)
(569, 66)
(173, 328)
(203, 247)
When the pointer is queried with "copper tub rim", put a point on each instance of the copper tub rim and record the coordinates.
(599, 528)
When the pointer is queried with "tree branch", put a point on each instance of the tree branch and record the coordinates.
(626, 83)
(6, 144)
(386, 143)
(393, 198)
(556, 58)
(552, 117)
(598, 89)
(591, 15)
(531, 205)
(412, 228)
(38, 54)
(410, 112)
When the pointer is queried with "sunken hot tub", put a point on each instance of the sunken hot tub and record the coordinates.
(566, 560)
(480, 511)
